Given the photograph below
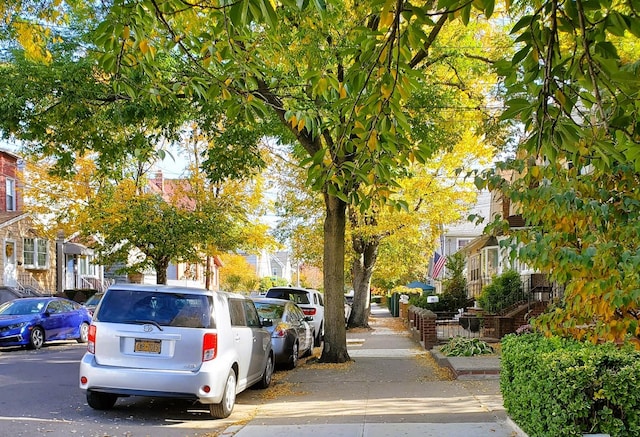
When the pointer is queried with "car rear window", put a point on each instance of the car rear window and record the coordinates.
(299, 297)
(166, 309)
(270, 311)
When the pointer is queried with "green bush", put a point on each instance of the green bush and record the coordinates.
(465, 347)
(557, 387)
(504, 290)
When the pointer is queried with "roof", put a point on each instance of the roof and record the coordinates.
(7, 218)
(76, 249)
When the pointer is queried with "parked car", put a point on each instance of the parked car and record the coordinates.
(291, 331)
(347, 310)
(310, 301)
(177, 342)
(93, 302)
(32, 321)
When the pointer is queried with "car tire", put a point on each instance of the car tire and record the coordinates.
(265, 381)
(225, 407)
(101, 401)
(84, 333)
(36, 338)
(317, 341)
(308, 352)
(293, 359)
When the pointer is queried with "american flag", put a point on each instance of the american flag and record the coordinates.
(438, 263)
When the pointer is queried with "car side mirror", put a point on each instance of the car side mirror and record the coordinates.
(266, 322)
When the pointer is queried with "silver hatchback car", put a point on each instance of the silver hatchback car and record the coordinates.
(164, 341)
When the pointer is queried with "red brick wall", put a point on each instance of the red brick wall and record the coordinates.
(8, 169)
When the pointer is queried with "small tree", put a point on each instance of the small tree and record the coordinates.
(504, 290)
(455, 285)
(237, 274)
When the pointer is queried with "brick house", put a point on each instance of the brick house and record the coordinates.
(28, 260)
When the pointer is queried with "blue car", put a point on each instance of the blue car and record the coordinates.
(33, 321)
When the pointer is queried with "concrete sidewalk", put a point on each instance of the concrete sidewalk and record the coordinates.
(393, 387)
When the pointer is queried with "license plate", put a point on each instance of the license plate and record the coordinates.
(147, 346)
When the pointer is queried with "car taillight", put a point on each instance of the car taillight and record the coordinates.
(309, 311)
(91, 344)
(209, 347)
(280, 330)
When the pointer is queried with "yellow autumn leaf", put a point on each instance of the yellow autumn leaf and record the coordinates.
(385, 90)
(301, 125)
(342, 91)
(293, 120)
(386, 19)
(144, 46)
(372, 143)
(535, 172)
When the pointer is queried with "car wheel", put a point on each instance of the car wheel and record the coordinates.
(225, 407)
(101, 401)
(36, 338)
(268, 373)
(293, 360)
(308, 352)
(318, 338)
(84, 333)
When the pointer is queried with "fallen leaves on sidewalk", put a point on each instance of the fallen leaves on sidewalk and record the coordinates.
(282, 388)
(436, 372)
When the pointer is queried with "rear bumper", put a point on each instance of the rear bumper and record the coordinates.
(125, 381)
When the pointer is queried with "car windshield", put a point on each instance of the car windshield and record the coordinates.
(21, 307)
(166, 309)
(270, 311)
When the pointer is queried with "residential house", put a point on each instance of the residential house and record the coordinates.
(276, 265)
(486, 259)
(28, 257)
(77, 271)
(458, 235)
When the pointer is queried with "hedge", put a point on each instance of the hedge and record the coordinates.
(558, 387)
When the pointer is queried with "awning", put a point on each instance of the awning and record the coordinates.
(421, 285)
(76, 249)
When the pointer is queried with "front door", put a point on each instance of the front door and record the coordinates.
(10, 275)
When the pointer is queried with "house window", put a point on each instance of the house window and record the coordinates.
(489, 262)
(36, 253)
(474, 268)
(86, 267)
(462, 242)
(11, 194)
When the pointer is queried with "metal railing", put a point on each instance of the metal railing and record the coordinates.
(27, 285)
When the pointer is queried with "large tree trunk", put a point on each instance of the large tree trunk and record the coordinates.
(362, 270)
(335, 335)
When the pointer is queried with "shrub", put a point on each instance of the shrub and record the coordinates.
(465, 347)
(504, 290)
(558, 387)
